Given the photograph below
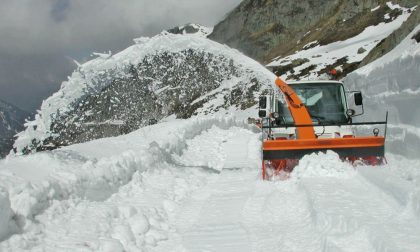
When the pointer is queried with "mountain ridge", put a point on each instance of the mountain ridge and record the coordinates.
(178, 75)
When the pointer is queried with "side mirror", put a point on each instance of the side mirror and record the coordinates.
(358, 99)
(263, 102)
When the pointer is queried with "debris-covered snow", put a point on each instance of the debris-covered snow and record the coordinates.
(355, 48)
(93, 76)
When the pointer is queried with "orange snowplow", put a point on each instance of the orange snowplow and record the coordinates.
(313, 116)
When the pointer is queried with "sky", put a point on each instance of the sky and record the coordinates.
(40, 39)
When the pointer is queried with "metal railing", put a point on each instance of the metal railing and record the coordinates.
(320, 124)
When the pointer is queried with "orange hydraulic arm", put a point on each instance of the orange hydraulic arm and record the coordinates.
(297, 110)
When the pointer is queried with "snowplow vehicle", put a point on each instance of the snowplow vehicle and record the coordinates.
(307, 117)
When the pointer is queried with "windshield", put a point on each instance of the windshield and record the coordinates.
(325, 101)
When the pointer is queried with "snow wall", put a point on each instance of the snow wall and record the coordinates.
(392, 83)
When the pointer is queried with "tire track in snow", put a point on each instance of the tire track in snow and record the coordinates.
(219, 226)
(359, 217)
(279, 218)
(212, 220)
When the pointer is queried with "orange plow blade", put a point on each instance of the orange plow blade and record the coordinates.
(281, 156)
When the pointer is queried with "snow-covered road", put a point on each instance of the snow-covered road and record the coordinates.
(324, 208)
(194, 185)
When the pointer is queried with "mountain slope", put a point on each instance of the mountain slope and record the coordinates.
(167, 75)
(266, 29)
(389, 43)
(11, 122)
(316, 60)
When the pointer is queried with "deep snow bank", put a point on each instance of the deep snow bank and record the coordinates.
(195, 185)
(391, 83)
(42, 186)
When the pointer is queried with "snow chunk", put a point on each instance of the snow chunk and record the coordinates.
(323, 165)
(376, 8)
(7, 224)
(141, 40)
(140, 224)
(102, 55)
(393, 6)
(310, 45)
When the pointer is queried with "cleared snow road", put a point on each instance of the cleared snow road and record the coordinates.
(327, 205)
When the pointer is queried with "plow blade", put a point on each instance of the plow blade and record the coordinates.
(345, 147)
(281, 156)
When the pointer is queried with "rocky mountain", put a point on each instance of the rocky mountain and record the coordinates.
(169, 75)
(270, 30)
(191, 29)
(11, 122)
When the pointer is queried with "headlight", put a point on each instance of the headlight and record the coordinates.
(276, 115)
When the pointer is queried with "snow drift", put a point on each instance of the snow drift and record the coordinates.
(391, 83)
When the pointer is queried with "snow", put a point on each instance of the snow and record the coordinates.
(127, 179)
(391, 84)
(393, 6)
(309, 166)
(7, 223)
(195, 185)
(89, 78)
(376, 8)
(102, 55)
(322, 56)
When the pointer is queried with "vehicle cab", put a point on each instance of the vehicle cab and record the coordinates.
(325, 102)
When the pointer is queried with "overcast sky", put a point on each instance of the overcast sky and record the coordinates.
(40, 38)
